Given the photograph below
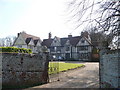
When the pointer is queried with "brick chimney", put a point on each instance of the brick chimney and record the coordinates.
(49, 35)
(18, 34)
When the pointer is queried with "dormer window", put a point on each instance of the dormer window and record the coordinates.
(19, 46)
(67, 48)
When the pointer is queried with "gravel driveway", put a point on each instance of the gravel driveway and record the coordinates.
(85, 77)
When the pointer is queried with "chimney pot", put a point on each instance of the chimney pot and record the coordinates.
(69, 36)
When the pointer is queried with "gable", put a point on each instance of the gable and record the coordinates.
(38, 43)
(82, 42)
(31, 42)
(20, 40)
(67, 42)
(63, 41)
(56, 42)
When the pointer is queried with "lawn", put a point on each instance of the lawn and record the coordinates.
(55, 67)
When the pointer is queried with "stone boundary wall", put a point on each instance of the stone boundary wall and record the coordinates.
(110, 70)
(24, 70)
(0, 70)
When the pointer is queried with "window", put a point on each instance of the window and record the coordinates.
(52, 49)
(67, 48)
(81, 48)
(84, 55)
(19, 46)
(55, 41)
(59, 48)
(83, 41)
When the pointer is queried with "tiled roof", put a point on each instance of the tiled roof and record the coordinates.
(63, 41)
(25, 35)
(47, 42)
(28, 38)
(74, 40)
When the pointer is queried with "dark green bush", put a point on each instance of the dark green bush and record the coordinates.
(15, 50)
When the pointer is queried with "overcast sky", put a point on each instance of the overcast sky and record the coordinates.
(36, 17)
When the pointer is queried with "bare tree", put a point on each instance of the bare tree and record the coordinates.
(2, 42)
(97, 38)
(110, 17)
(7, 41)
(104, 14)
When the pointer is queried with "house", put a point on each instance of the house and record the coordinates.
(78, 47)
(28, 41)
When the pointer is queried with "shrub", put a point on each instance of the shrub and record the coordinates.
(15, 50)
(95, 51)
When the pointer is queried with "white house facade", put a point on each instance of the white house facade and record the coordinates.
(28, 41)
(78, 47)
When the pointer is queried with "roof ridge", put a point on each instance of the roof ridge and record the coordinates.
(25, 35)
(32, 35)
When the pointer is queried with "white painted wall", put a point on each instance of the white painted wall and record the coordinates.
(74, 49)
(89, 50)
(38, 43)
(24, 46)
(31, 42)
(20, 41)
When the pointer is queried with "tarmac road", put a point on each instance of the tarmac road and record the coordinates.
(85, 77)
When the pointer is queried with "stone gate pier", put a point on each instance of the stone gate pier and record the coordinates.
(110, 69)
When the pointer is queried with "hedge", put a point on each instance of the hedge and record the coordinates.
(15, 50)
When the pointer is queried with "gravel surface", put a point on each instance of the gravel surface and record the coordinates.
(85, 77)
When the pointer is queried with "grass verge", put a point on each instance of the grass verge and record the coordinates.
(55, 67)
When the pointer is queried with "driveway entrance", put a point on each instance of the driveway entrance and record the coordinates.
(85, 77)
